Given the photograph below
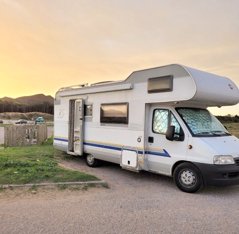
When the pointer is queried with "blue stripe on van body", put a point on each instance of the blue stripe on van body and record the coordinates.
(103, 146)
(60, 139)
(155, 153)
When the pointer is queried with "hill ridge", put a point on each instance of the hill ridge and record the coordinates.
(36, 102)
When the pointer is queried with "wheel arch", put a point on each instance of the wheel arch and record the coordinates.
(180, 162)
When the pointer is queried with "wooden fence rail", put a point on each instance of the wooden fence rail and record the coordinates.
(24, 135)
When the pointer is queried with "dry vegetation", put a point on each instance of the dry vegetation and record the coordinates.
(233, 128)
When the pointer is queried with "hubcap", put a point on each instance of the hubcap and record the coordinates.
(188, 178)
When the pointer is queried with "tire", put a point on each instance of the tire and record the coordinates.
(188, 178)
(91, 161)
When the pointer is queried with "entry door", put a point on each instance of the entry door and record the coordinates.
(78, 126)
(160, 152)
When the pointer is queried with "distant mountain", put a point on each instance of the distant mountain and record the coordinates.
(38, 102)
(7, 99)
(35, 99)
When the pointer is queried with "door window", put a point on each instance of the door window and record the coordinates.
(162, 119)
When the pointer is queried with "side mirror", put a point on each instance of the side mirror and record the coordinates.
(170, 133)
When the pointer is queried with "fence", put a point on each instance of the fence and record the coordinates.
(24, 135)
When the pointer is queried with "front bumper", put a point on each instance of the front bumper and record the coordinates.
(219, 175)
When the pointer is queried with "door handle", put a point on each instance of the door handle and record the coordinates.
(150, 139)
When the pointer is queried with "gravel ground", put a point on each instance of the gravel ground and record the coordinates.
(135, 203)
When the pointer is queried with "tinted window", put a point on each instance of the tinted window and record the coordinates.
(114, 113)
(160, 84)
(88, 110)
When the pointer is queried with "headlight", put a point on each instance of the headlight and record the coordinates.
(223, 160)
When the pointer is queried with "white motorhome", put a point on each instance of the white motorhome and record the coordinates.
(156, 120)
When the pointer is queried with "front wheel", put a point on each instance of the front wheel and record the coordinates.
(91, 161)
(188, 178)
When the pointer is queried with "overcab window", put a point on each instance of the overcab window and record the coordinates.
(160, 84)
(114, 113)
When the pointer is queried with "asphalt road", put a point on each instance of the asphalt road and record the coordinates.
(135, 203)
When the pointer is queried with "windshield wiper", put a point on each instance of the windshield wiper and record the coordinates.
(205, 133)
(218, 132)
(214, 133)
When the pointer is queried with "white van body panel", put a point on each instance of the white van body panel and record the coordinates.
(228, 145)
(213, 90)
(189, 85)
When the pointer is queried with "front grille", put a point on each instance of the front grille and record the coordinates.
(236, 161)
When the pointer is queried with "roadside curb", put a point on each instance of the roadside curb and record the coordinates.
(99, 183)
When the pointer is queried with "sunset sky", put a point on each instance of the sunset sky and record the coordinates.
(48, 44)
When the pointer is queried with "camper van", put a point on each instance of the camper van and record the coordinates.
(156, 120)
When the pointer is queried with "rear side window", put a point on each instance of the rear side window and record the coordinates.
(116, 113)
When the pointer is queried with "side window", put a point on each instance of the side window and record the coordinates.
(160, 84)
(164, 118)
(88, 110)
(116, 113)
(160, 121)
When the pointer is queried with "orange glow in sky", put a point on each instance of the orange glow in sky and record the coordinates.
(48, 44)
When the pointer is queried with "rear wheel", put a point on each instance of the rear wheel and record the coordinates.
(188, 178)
(91, 161)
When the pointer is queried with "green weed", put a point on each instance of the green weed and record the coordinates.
(35, 164)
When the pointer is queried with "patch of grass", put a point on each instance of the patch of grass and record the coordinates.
(49, 141)
(35, 164)
(233, 128)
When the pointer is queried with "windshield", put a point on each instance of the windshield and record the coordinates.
(201, 123)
